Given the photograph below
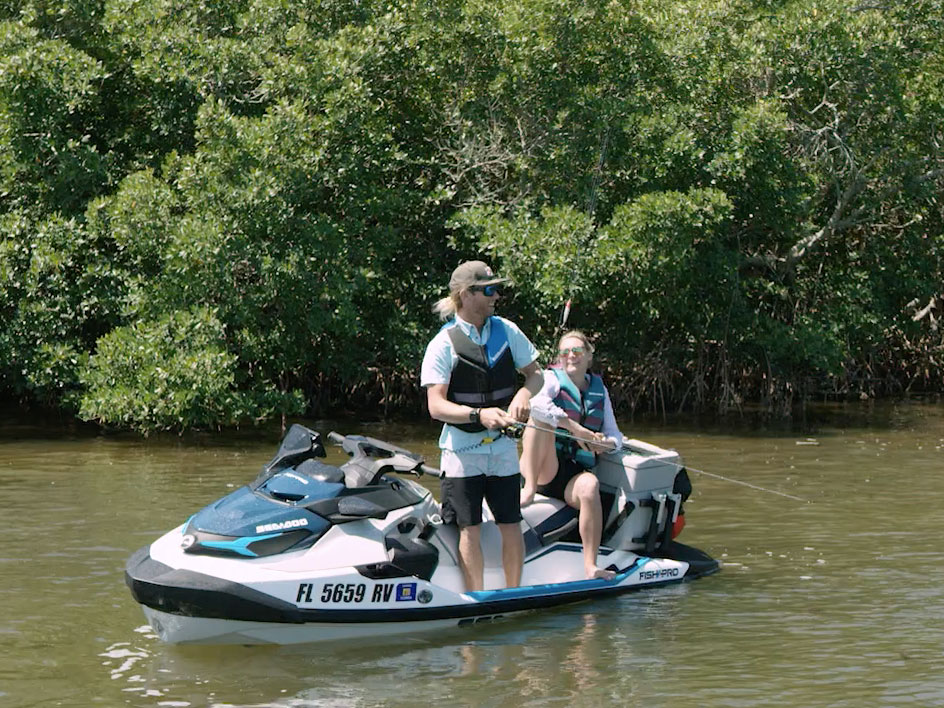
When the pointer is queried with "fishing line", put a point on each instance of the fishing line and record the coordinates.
(748, 484)
(518, 429)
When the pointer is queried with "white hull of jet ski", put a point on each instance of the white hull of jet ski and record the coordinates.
(380, 572)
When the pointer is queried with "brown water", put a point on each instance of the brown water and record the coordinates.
(838, 601)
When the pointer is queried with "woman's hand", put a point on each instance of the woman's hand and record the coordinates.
(589, 440)
(581, 435)
(601, 443)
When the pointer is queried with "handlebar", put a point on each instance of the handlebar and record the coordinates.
(357, 445)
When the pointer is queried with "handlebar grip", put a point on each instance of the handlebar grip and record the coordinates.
(426, 469)
(336, 437)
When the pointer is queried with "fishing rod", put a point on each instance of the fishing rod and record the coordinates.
(517, 430)
(591, 209)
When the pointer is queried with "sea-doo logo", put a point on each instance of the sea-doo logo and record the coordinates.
(658, 574)
(282, 525)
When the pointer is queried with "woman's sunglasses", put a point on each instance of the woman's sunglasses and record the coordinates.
(486, 290)
(577, 351)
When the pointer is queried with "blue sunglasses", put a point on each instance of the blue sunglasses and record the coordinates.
(486, 290)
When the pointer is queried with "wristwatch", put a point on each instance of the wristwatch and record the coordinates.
(474, 416)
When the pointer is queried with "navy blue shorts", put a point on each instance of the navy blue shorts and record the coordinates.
(462, 499)
(567, 469)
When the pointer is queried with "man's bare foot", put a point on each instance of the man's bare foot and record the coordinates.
(601, 573)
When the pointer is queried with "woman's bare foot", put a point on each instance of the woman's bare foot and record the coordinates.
(527, 495)
(601, 573)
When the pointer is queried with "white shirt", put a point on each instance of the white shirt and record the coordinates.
(439, 361)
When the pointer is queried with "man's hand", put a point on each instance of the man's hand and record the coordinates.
(520, 407)
(495, 418)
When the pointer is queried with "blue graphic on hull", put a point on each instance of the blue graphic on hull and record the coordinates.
(575, 586)
(239, 545)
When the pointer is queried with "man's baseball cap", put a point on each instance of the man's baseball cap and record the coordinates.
(473, 273)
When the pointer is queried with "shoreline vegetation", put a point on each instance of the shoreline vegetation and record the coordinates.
(224, 214)
(806, 420)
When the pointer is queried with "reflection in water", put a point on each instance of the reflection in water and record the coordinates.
(835, 602)
(559, 670)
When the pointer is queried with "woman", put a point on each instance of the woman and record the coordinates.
(577, 403)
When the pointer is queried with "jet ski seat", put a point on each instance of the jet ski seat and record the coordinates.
(548, 520)
(320, 471)
(544, 521)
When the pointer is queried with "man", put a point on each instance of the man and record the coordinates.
(470, 374)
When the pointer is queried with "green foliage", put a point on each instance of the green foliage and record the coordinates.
(267, 196)
(553, 249)
(172, 374)
(137, 218)
(771, 188)
(667, 251)
(60, 290)
(48, 159)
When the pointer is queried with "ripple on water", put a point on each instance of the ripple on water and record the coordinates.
(127, 656)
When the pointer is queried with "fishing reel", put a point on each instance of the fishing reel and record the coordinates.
(513, 431)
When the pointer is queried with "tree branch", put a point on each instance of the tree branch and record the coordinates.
(840, 219)
(852, 190)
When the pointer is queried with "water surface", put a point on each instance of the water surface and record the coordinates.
(836, 600)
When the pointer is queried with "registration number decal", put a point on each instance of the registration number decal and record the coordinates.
(355, 593)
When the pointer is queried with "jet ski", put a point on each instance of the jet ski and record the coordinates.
(312, 552)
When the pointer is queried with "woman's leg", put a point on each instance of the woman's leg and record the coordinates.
(538, 458)
(583, 493)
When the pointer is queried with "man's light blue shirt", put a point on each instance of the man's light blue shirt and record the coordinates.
(439, 361)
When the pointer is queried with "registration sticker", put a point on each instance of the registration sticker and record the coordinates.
(406, 592)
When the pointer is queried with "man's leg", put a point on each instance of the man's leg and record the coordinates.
(501, 493)
(470, 557)
(462, 503)
(512, 553)
(583, 493)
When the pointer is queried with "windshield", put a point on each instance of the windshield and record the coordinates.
(299, 444)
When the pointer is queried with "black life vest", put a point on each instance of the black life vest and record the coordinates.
(484, 376)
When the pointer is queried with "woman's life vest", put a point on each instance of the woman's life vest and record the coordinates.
(585, 409)
(484, 376)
